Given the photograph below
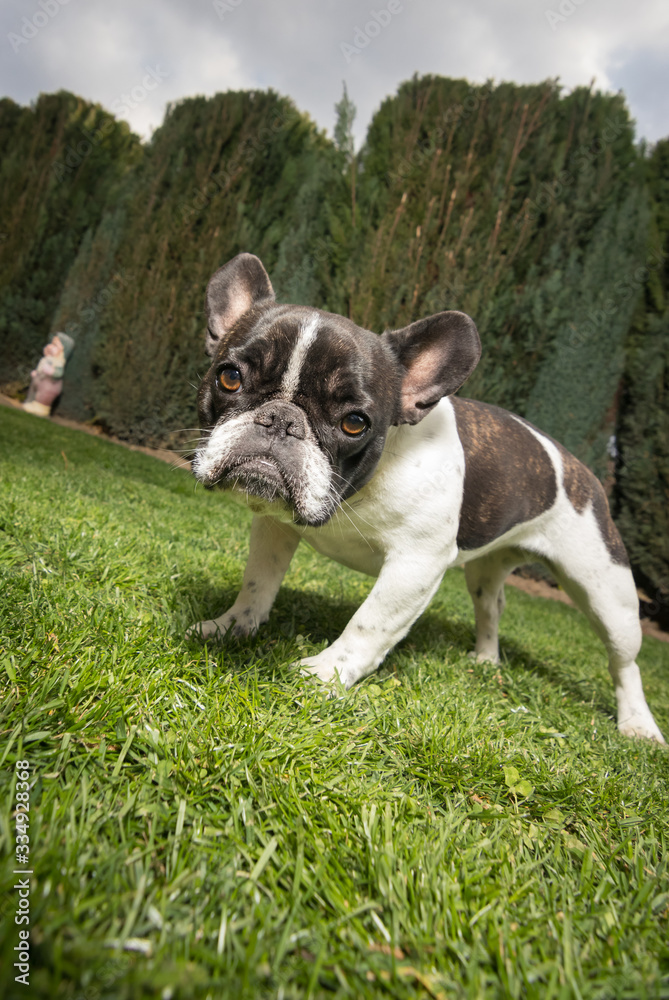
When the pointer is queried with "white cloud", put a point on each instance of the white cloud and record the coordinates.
(101, 50)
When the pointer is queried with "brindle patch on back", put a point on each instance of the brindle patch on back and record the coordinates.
(582, 488)
(509, 477)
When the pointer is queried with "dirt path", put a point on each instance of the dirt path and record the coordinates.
(537, 588)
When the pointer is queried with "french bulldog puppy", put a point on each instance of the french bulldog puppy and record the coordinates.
(354, 442)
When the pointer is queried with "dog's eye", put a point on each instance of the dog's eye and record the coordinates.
(230, 379)
(354, 424)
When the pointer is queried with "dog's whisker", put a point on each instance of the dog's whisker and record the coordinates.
(353, 511)
(346, 514)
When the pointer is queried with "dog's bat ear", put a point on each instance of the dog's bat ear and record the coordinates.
(437, 354)
(232, 291)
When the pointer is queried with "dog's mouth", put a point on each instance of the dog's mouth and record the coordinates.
(299, 490)
(258, 476)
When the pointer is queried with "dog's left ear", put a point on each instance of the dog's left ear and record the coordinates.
(437, 354)
(232, 291)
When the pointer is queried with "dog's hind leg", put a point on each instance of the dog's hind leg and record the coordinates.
(604, 590)
(485, 578)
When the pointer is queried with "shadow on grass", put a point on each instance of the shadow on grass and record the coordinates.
(435, 631)
(322, 619)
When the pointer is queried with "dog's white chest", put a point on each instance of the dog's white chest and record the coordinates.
(349, 548)
(418, 482)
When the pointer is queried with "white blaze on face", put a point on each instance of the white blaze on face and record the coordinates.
(305, 339)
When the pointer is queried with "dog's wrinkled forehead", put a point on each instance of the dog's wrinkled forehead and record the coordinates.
(307, 351)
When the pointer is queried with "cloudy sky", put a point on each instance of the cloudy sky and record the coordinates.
(133, 56)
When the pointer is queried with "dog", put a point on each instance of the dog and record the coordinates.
(354, 442)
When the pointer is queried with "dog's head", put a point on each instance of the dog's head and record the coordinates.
(297, 402)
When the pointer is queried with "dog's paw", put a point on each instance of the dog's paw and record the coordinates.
(484, 656)
(205, 630)
(641, 727)
(322, 669)
(238, 625)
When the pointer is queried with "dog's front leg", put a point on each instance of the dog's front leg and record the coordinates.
(404, 588)
(272, 546)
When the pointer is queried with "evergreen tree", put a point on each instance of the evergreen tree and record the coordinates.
(343, 130)
(344, 141)
(61, 162)
(641, 493)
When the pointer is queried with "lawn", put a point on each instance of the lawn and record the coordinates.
(202, 822)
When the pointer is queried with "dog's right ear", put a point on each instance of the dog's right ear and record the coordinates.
(232, 291)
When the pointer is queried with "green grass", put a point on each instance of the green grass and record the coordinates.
(205, 823)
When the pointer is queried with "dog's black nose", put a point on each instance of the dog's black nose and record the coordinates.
(283, 419)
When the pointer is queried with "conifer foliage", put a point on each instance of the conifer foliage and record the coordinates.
(63, 161)
(641, 491)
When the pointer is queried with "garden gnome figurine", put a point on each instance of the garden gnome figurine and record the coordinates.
(47, 379)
